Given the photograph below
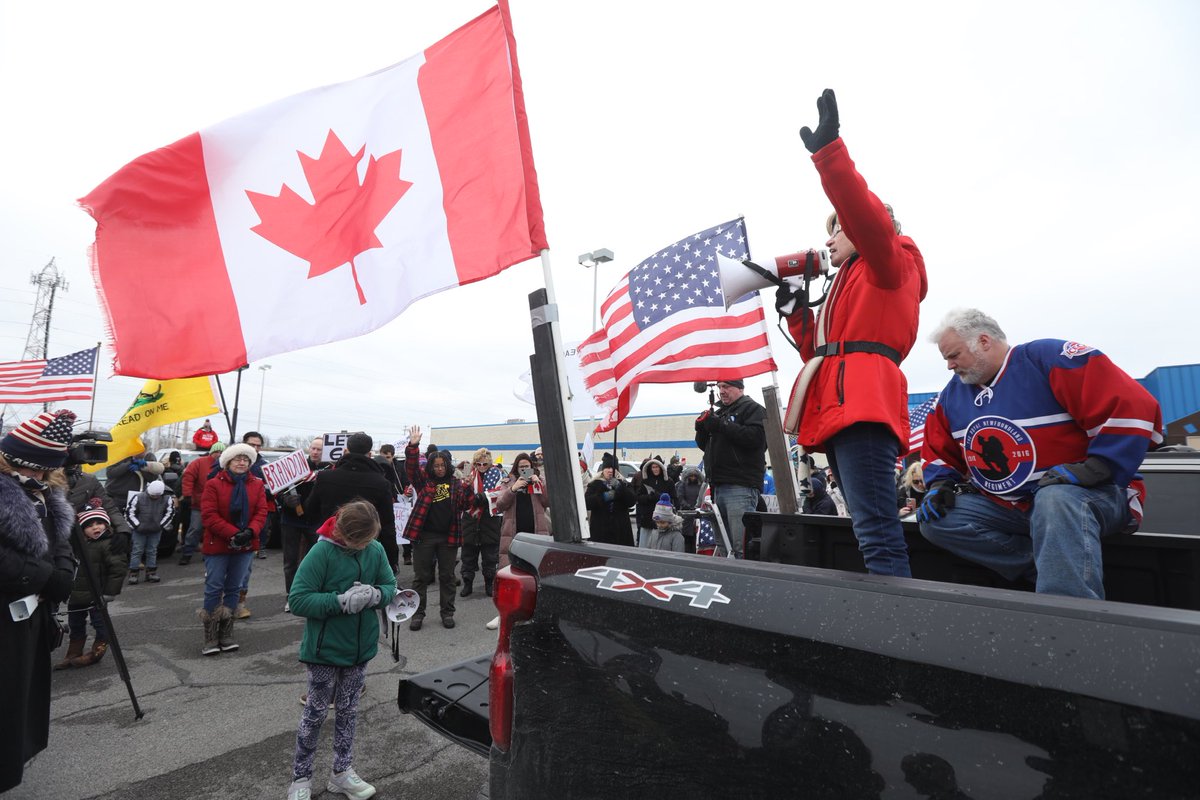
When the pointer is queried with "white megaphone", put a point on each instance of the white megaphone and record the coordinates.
(739, 278)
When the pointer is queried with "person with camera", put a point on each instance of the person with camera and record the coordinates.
(609, 497)
(37, 569)
(1031, 455)
(850, 399)
(734, 441)
(522, 502)
(234, 511)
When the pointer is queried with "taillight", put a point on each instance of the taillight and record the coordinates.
(515, 595)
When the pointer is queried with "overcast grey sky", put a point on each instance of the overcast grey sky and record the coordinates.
(1044, 156)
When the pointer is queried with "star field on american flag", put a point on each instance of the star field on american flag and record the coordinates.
(69, 377)
(683, 275)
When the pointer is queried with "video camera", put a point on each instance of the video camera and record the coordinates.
(88, 448)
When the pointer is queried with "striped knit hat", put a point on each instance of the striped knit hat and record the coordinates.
(40, 442)
(93, 511)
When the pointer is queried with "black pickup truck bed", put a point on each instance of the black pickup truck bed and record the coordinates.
(633, 679)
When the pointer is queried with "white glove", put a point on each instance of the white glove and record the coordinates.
(358, 597)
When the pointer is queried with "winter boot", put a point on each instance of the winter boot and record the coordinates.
(133, 576)
(185, 559)
(99, 648)
(211, 648)
(487, 585)
(152, 575)
(242, 612)
(416, 622)
(74, 651)
(468, 588)
(225, 629)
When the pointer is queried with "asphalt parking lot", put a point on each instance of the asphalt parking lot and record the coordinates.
(224, 726)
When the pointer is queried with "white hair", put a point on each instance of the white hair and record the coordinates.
(970, 324)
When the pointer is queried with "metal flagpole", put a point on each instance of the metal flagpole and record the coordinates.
(95, 380)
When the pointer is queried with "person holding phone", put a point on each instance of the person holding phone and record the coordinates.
(523, 502)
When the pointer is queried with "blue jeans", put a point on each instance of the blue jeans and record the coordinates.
(863, 459)
(1056, 545)
(734, 501)
(147, 544)
(191, 540)
(223, 576)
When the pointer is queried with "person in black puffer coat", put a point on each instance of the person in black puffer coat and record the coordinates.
(356, 476)
(819, 501)
(609, 499)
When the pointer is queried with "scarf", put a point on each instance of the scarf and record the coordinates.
(35, 489)
(239, 503)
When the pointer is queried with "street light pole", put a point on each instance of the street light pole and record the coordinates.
(592, 261)
(261, 391)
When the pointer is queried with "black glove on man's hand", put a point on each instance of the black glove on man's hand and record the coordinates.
(1088, 472)
(938, 500)
(58, 586)
(242, 539)
(827, 126)
(702, 421)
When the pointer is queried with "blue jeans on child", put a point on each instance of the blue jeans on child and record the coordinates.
(863, 459)
(144, 544)
(1055, 545)
(223, 576)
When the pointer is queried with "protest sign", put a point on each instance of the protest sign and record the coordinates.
(283, 472)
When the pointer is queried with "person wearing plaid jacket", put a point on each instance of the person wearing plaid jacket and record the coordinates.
(435, 526)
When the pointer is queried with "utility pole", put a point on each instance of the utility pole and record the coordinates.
(37, 343)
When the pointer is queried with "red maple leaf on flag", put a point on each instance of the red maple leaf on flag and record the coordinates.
(340, 223)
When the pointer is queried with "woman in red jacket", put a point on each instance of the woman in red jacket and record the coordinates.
(233, 510)
(851, 399)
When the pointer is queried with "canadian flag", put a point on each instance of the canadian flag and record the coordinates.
(341, 205)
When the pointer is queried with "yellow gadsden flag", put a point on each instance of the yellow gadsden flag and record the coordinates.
(159, 403)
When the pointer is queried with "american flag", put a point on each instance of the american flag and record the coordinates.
(69, 377)
(666, 322)
(916, 423)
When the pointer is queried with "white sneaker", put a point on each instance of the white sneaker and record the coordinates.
(494, 624)
(349, 784)
(287, 608)
(300, 790)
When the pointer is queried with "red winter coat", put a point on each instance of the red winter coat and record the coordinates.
(875, 297)
(214, 512)
(204, 439)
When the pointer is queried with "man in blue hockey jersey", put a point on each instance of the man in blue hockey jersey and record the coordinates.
(1031, 455)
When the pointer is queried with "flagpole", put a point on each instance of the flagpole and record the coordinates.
(237, 393)
(95, 380)
(563, 389)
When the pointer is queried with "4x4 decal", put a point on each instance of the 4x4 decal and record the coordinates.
(700, 594)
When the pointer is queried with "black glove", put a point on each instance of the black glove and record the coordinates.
(714, 423)
(827, 126)
(787, 299)
(1088, 472)
(242, 539)
(290, 499)
(702, 421)
(480, 501)
(58, 586)
(938, 500)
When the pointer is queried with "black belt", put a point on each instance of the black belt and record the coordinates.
(841, 348)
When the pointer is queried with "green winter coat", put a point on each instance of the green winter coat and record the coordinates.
(331, 637)
(108, 565)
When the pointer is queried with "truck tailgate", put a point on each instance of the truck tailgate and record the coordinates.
(452, 700)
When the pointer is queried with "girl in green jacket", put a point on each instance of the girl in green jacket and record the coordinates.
(337, 588)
